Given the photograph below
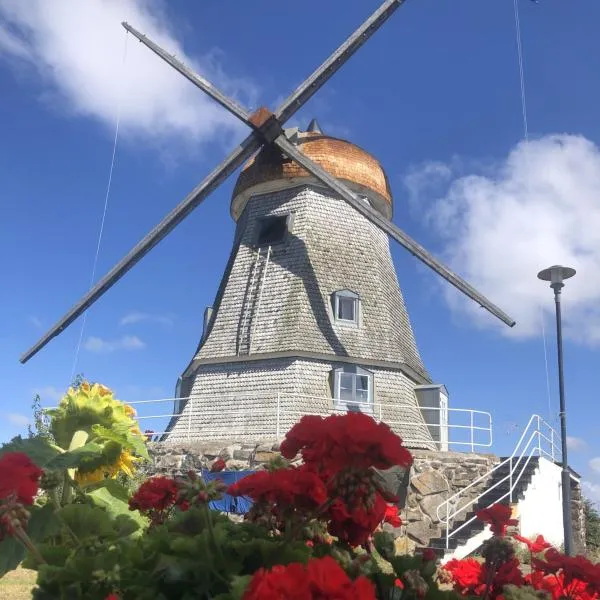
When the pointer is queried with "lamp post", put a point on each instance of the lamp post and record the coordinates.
(556, 275)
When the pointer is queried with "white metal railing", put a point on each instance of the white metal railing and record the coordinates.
(227, 415)
(537, 439)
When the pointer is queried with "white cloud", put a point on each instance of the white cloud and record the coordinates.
(127, 342)
(48, 392)
(78, 47)
(576, 444)
(17, 419)
(139, 317)
(501, 226)
(591, 491)
(595, 464)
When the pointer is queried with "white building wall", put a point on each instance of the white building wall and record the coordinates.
(540, 511)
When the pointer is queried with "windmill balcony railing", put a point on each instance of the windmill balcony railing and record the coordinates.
(270, 417)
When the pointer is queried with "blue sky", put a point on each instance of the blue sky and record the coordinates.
(434, 95)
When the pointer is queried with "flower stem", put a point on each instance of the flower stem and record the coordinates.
(22, 537)
(54, 499)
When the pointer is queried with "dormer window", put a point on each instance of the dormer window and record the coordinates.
(346, 307)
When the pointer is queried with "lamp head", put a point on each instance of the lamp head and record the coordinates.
(556, 275)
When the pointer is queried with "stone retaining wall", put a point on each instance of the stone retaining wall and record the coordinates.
(434, 477)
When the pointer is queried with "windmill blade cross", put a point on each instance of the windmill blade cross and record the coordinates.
(392, 230)
(267, 128)
(266, 122)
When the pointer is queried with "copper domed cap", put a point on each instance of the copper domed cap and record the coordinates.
(270, 171)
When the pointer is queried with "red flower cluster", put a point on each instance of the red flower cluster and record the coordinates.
(391, 515)
(471, 577)
(355, 525)
(571, 572)
(467, 575)
(157, 493)
(536, 546)
(284, 488)
(19, 478)
(321, 579)
(340, 441)
(499, 518)
(217, 466)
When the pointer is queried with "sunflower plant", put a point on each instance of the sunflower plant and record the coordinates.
(94, 446)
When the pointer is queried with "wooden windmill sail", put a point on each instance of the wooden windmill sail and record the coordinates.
(267, 131)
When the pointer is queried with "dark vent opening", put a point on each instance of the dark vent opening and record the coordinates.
(272, 230)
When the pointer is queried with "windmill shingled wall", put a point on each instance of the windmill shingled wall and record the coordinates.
(331, 247)
(241, 399)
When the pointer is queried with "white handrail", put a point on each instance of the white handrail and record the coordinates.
(203, 415)
(523, 451)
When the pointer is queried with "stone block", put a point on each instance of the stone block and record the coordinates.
(243, 454)
(265, 456)
(420, 532)
(430, 482)
(413, 515)
(429, 505)
(404, 545)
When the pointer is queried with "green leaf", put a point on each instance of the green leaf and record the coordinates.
(114, 503)
(87, 521)
(121, 434)
(11, 555)
(42, 523)
(384, 544)
(74, 458)
(39, 450)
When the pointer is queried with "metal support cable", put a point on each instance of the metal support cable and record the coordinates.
(104, 211)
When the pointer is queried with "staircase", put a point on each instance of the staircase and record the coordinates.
(506, 483)
(465, 526)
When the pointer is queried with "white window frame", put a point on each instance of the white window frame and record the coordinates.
(337, 296)
(354, 403)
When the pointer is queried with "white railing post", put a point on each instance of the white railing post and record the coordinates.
(191, 407)
(472, 434)
(380, 413)
(510, 480)
(447, 524)
(278, 426)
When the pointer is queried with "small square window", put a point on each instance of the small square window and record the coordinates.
(272, 230)
(345, 307)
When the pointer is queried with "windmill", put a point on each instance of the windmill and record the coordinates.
(270, 144)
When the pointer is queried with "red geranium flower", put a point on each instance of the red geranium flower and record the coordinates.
(353, 439)
(293, 487)
(217, 466)
(320, 579)
(468, 575)
(19, 477)
(355, 525)
(498, 516)
(391, 515)
(157, 493)
(573, 568)
(535, 546)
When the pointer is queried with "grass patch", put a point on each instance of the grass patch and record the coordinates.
(17, 584)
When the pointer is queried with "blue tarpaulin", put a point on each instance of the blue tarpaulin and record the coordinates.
(229, 504)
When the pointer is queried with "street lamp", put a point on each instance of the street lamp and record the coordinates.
(556, 275)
